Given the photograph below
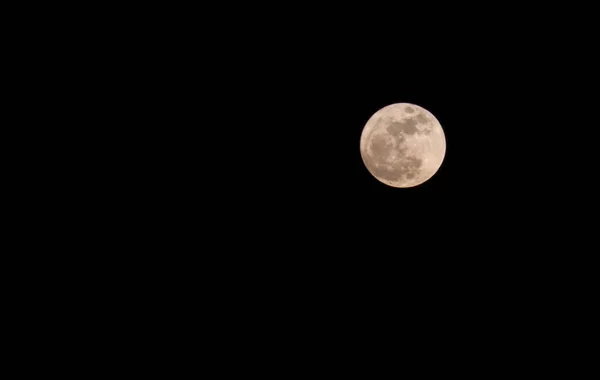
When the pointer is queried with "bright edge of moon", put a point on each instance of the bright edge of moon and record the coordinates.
(403, 145)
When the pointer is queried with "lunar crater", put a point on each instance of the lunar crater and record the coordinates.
(421, 118)
(408, 126)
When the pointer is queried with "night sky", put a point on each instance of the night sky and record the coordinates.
(212, 159)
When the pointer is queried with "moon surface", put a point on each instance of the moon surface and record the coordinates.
(403, 145)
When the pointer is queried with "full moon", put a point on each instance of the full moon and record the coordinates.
(403, 145)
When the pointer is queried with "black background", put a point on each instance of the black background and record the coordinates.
(213, 157)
